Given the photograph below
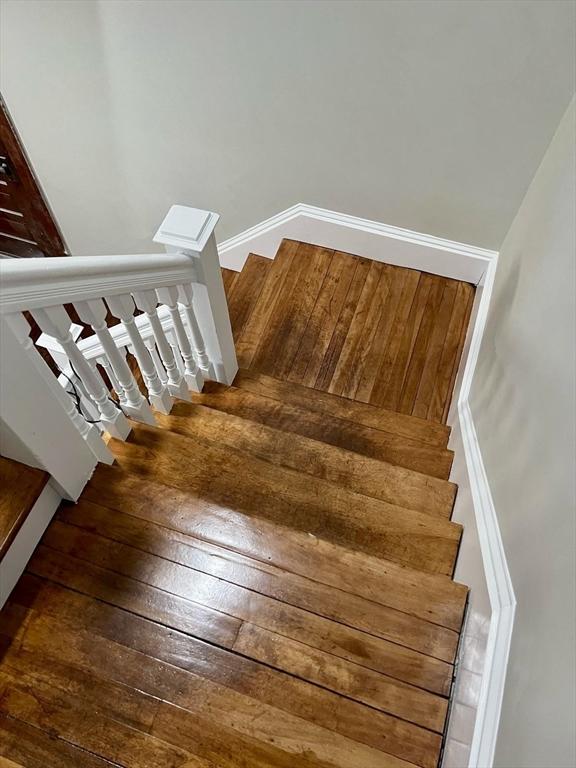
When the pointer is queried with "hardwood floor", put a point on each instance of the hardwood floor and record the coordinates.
(264, 579)
(368, 331)
(20, 486)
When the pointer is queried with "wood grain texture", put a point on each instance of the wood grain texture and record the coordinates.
(428, 432)
(20, 487)
(430, 597)
(244, 291)
(295, 419)
(210, 682)
(351, 470)
(284, 496)
(368, 331)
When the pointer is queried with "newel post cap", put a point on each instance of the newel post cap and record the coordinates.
(186, 228)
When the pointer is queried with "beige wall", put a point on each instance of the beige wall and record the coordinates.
(431, 115)
(523, 403)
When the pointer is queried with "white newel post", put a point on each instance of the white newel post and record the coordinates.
(34, 408)
(191, 231)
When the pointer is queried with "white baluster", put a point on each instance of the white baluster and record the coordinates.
(192, 374)
(116, 386)
(89, 432)
(160, 370)
(55, 322)
(185, 299)
(159, 395)
(94, 313)
(147, 301)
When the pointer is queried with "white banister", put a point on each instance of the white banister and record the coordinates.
(94, 313)
(177, 344)
(192, 373)
(190, 231)
(185, 299)
(56, 322)
(35, 414)
(147, 301)
(123, 307)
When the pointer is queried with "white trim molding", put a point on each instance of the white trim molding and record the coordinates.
(496, 573)
(371, 239)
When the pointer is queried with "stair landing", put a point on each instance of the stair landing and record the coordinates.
(368, 331)
(264, 579)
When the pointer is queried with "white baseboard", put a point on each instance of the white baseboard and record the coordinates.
(20, 551)
(491, 574)
(371, 239)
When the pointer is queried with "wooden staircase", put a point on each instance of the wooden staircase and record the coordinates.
(265, 577)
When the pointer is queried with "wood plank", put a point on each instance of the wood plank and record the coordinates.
(247, 345)
(248, 605)
(135, 596)
(229, 277)
(34, 748)
(359, 413)
(353, 471)
(246, 291)
(434, 351)
(464, 313)
(343, 433)
(421, 342)
(322, 322)
(390, 378)
(274, 334)
(121, 646)
(74, 721)
(20, 487)
(282, 495)
(360, 332)
(402, 289)
(358, 683)
(265, 578)
(432, 598)
(304, 298)
(334, 350)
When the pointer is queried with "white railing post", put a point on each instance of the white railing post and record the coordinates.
(38, 426)
(191, 231)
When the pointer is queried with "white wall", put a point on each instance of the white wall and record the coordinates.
(429, 115)
(523, 404)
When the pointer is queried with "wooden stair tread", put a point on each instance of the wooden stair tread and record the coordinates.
(364, 414)
(367, 441)
(434, 598)
(364, 330)
(209, 693)
(266, 578)
(353, 471)
(283, 495)
(20, 487)
(208, 606)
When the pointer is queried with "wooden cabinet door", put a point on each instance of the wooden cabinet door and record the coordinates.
(27, 227)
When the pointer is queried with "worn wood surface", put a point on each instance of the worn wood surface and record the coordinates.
(20, 487)
(367, 331)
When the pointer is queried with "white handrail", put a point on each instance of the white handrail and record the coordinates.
(35, 283)
(186, 327)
